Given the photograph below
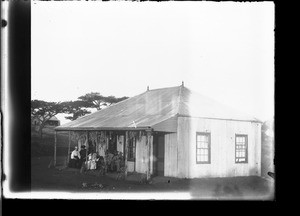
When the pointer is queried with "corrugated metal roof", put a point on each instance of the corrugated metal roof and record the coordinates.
(196, 105)
(153, 107)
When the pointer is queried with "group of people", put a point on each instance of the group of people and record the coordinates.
(77, 157)
(111, 162)
(114, 161)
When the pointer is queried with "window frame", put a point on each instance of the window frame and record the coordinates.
(246, 149)
(209, 147)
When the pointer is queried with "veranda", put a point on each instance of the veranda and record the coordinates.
(136, 145)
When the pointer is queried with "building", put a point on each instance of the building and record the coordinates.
(52, 122)
(176, 132)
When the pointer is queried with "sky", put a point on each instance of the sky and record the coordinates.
(223, 50)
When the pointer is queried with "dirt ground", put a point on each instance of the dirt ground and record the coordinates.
(71, 180)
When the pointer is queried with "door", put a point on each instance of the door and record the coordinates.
(160, 155)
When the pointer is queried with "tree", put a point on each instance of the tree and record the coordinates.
(112, 99)
(95, 99)
(43, 111)
(80, 107)
(267, 147)
(99, 101)
(76, 108)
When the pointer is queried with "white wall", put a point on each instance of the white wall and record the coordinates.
(171, 161)
(222, 148)
(141, 155)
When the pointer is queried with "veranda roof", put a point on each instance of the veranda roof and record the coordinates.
(154, 108)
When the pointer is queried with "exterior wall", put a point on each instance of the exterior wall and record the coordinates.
(169, 125)
(130, 167)
(141, 155)
(170, 164)
(222, 148)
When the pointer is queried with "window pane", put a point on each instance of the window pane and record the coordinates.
(198, 158)
(198, 138)
(201, 158)
(242, 154)
(202, 145)
(198, 151)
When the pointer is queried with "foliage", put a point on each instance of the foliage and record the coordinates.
(43, 111)
(77, 108)
(94, 99)
(99, 101)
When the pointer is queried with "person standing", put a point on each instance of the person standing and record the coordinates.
(75, 158)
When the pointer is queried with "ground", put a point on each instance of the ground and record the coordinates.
(46, 178)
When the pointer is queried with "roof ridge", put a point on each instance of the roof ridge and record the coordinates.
(162, 88)
(179, 99)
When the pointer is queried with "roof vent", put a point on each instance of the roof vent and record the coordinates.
(147, 88)
(182, 84)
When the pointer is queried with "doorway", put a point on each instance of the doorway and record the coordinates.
(159, 152)
(112, 144)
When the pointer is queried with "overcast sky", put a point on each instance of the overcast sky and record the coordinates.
(221, 50)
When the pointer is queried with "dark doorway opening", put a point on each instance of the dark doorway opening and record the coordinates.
(112, 144)
(159, 154)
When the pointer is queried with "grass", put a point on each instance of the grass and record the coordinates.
(45, 146)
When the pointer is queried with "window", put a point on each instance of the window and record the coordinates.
(131, 150)
(202, 148)
(241, 148)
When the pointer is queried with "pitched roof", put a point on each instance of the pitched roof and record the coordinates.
(53, 118)
(196, 105)
(153, 107)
